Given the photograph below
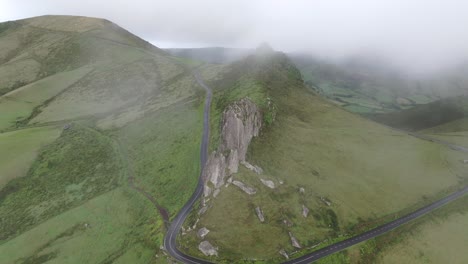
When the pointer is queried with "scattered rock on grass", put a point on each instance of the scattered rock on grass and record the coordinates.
(245, 188)
(284, 254)
(294, 241)
(207, 249)
(202, 232)
(305, 211)
(268, 183)
(259, 212)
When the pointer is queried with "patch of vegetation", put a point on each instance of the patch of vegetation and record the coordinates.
(19, 149)
(78, 166)
(163, 150)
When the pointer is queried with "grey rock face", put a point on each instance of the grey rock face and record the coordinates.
(215, 169)
(294, 241)
(259, 212)
(215, 193)
(242, 121)
(233, 162)
(305, 211)
(202, 232)
(268, 183)
(207, 249)
(249, 190)
(206, 190)
(284, 254)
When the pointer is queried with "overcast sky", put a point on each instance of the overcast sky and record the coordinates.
(422, 34)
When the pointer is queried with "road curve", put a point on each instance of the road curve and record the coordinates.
(170, 242)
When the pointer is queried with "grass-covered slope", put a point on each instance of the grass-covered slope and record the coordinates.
(427, 116)
(355, 173)
(103, 121)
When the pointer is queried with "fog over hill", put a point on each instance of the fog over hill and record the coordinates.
(419, 36)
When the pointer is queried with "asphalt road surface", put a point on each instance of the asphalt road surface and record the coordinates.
(170, 242)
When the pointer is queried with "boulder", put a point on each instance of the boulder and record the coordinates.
(207, 249)
(245, 188)
(294, 241)
(202, 232)
(268, 183)
(305, 211)
(259, 212)
(215, 193)
(301, 190)
(465, 161)
(284, 254)
(251, 167)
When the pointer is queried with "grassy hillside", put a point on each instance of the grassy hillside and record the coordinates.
(93, 117)
(345, 163)
(426, 116)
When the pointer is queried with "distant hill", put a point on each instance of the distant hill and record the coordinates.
(93, 120)
(361, 84)
(366, 85)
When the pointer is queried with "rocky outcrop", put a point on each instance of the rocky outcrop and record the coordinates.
(259, 212)
(202, 232)
(294, 241)
(241, 121)
(305, 211)
(207, 249)
(268, 183)
(249, 190)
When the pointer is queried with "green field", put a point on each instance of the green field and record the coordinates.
(19, 149)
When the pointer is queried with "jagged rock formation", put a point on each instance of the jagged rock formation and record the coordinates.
(202, 232)
(242, 120)
(305, 211)
(268, 183)
(294, 241)
(249, 190)
(206, 248)
(259, 212)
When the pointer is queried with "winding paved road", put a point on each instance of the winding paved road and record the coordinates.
(170, 242)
